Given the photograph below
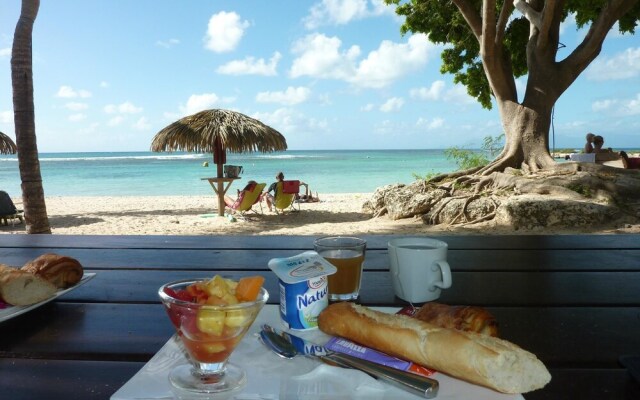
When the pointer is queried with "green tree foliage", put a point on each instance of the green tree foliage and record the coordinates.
(466, 158)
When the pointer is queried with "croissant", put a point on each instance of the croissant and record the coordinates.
(464, 318)
(61, 271)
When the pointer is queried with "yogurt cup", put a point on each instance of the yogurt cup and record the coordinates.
(304, 290)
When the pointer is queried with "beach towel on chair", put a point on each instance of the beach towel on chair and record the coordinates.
(290, 187)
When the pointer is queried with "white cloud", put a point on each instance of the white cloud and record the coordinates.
(77, 117)
(425, 123)
(74, 106)
(251, 66)
(618, 107)
(142, 124)
(631, 107)
(6, 117)
(341, 12)
(623, 65)
(436, 123)
(437, 91)
(291, 96)
(393, 104)
(602, 105)
(458, 94)
(68, 92)
(104, 84)
(125, 108)
(6, 52)
(200, 102)
(434, 92)
(392, 61)
(167, 44)
(319, 56)
(288, 121)
(224, 32)
(368, 107)
(115, 121)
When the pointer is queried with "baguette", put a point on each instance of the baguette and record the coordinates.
(464, 318)
(480, 359)
(20, 288)
(62, 271)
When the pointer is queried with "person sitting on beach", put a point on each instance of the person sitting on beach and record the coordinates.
(270, 198)
(603, 155)
(588, 147)
(230, 202)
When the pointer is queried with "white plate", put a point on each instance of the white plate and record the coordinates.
(14, 311)
(271, 377)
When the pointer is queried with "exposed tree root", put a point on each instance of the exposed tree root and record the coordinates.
(463, 212)
(451, 175)
(487, 217)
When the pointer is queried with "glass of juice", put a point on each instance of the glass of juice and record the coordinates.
(209, 334)
(346, 253)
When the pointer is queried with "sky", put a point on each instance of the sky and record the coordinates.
(327, 74)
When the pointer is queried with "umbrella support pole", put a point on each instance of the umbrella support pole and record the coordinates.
(219, 187)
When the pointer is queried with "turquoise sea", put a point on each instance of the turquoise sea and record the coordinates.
(159, 174)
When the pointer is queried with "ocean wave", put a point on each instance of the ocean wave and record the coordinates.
(113, 158)
(286, 156)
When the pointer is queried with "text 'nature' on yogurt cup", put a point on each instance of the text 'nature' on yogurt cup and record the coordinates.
(303, 288)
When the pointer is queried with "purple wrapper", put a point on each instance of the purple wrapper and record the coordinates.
(348, 347)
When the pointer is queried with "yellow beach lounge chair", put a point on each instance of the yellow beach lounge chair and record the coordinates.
(286, 192)
(247, 199)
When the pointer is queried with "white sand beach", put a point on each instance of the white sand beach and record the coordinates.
(197, 215)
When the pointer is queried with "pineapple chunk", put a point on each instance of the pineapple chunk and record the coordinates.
(237, 318)
(217, 286)
(231, 284)
(210, 321)
(214, 347)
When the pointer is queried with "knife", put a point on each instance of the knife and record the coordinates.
(289, 345)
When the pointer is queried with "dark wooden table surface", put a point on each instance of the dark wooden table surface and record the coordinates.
(574, 301)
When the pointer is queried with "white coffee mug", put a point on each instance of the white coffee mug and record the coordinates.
(419, 268)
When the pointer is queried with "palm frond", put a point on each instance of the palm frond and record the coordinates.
(7, 146)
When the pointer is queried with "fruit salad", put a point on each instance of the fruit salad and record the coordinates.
(212, 316)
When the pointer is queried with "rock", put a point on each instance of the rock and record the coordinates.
(403, 201)
(533, 211)
(377, 200)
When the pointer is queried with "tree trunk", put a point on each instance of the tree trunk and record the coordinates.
(35, 210)
(527, 137)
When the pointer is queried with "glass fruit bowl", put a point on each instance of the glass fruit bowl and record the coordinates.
(210, 333)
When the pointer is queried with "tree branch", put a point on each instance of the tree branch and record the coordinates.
(471, 16)
(591, 45)
(551, 7)
(505, 13)
(488, 24)
(532, 15)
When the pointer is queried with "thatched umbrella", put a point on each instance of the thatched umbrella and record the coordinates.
(218, 131)
(6, 145)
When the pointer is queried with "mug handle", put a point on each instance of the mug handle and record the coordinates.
(446, 275)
